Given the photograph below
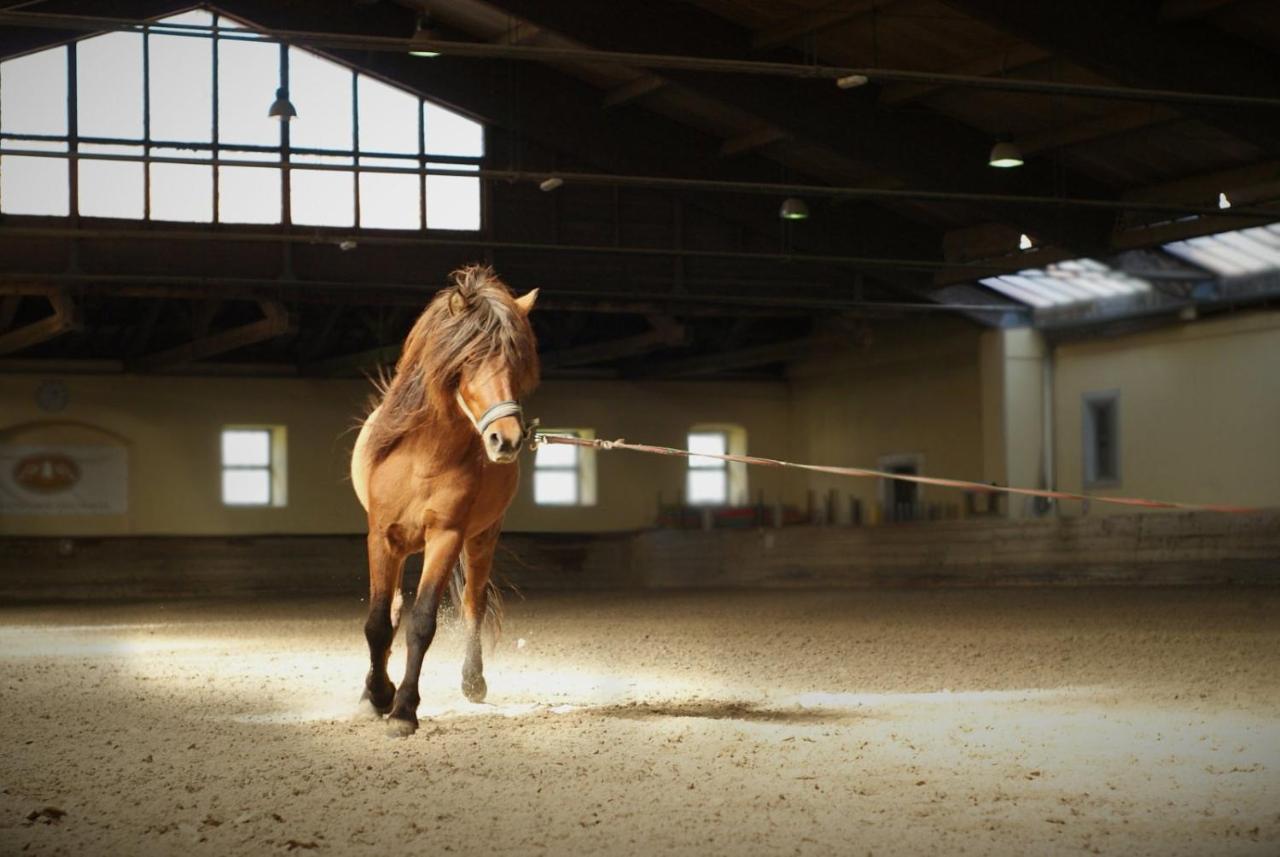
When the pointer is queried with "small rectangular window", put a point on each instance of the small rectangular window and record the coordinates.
(708, 478)
(564, 475)
(1101, 437)
(253, 466)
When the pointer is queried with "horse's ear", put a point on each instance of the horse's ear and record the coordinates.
(457, 303)
(526, 301)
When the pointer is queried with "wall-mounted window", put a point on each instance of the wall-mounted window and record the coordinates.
(712, 481)
(171, 124)
(253, 466)
(1101, 438)
(707, 483)
(564, 475)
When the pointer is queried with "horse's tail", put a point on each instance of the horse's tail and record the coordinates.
(493, 605)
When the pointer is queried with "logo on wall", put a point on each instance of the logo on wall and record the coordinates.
(46, 473)
(63, 479)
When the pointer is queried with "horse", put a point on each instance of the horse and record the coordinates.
(435, 467)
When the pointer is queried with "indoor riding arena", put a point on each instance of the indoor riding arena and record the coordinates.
(699, 427)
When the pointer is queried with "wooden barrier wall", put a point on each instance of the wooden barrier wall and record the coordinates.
(1156, 549)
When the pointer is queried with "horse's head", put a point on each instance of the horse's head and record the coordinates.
(489, 391)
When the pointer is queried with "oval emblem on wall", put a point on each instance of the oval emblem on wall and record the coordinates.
(46, 473)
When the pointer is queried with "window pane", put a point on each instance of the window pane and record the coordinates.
(388, 118)
(555, 487)
(390, 201)
(111, 188)
(453, 202)
(34, 185)
(556, 455)
(448, 133)
(194, 18)
(246, 447)
(33, 93)
(714, 443)
(248, 75)
(181, 84)
(109, 85)
(246, 487)
(182, 192)
(321, 93)
(323, 197)
(248, 195)
(707, 486)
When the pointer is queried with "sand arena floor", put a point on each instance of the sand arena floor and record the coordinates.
(981, 722)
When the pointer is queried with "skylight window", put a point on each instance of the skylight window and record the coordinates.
(346, 121)
(1063, 283)
(1233, 254)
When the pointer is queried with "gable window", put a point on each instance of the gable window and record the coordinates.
(253, 460)
(171, 124)
(564, 475)
(1101, 438)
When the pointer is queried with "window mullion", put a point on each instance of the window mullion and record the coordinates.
(355, 146)
(73, 136)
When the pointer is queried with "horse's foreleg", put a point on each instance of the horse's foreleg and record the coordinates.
(440, 553)
(479, 564)
(386, 563)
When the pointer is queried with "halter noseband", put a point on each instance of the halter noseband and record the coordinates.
(509, 408)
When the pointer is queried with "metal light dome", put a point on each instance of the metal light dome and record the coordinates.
(1004, 155)
(793, 208)
(282, 107)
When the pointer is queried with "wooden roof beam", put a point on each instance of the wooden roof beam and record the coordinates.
(275, 322)
(664, 333)
(628, 92)
(1127, 44)
(65, 318)
(809, 23)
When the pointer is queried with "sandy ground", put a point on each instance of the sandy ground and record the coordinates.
(981, 722)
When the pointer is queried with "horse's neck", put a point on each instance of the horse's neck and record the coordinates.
(446, 435)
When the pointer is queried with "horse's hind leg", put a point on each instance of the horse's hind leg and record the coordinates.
(386, 564)
(440, 553)
(475, 597)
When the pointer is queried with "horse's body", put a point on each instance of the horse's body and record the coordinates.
(435, 468)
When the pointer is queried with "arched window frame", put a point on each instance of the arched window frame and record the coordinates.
(434, 170)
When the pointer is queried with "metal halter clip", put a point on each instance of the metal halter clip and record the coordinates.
(531, 437)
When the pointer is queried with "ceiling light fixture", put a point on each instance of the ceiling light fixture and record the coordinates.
(793, 208)
(550, 184)
(1004, 155)
(282, 108)
(424, 32)
(852, 81)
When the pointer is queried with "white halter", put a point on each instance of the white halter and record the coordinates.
(508, 408)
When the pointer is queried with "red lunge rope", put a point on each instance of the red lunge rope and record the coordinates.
(879, 474)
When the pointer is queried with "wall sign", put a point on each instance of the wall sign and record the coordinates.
(64, 479)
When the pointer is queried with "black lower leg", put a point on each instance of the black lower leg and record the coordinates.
(420, 629)
(378, 631)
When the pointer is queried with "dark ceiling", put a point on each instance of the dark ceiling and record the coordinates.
(688, 281)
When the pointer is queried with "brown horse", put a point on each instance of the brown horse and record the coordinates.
(435, 468)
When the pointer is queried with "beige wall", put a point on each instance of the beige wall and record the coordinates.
(1013, 412)
(171, 426)
(1199, 422)
(1199, 410)
(916, 388)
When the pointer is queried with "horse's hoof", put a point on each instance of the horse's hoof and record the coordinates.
(398, 727)
(366, 710)
(474, 689)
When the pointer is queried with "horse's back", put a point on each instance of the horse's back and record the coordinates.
(360, 461)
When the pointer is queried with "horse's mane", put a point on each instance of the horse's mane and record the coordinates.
(467, 323)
